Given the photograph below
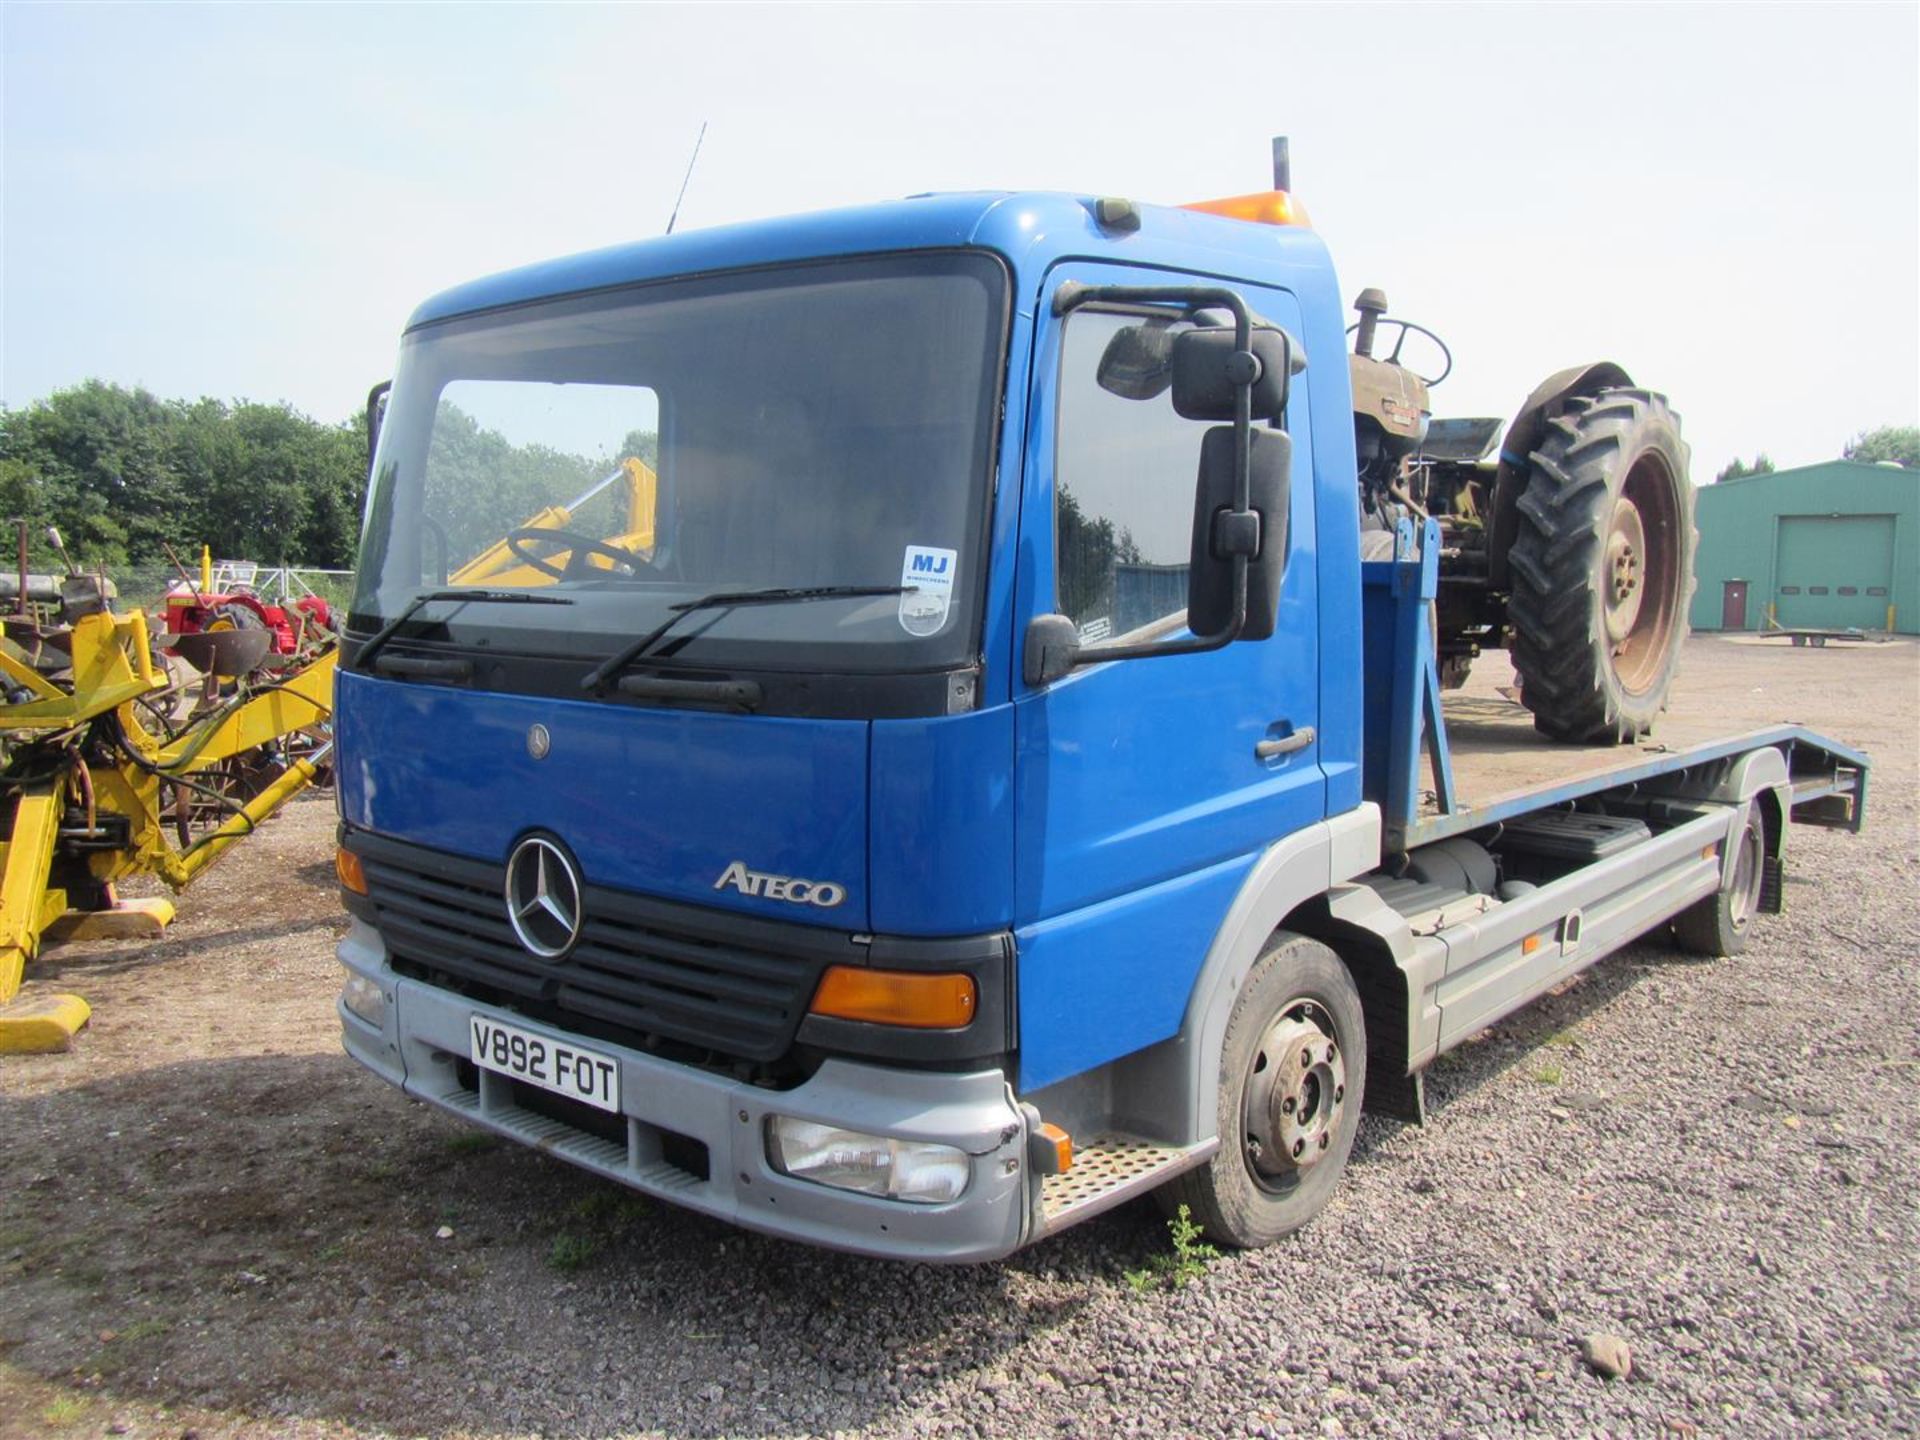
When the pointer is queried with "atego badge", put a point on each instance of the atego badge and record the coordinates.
(762, 886)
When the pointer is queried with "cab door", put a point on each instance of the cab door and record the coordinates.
(1142, 803)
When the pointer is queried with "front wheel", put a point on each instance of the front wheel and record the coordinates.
(1292, 1074)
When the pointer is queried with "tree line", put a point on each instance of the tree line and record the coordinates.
(1898, 444)
(123, 474)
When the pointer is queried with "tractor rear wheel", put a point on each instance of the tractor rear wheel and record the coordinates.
(1602, 568)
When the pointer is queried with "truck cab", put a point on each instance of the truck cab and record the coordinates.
(844, 719)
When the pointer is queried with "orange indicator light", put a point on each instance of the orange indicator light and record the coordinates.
(1062, 1145)
(346, 865)
(896, 997)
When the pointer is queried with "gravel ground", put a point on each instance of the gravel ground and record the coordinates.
(212, 1224)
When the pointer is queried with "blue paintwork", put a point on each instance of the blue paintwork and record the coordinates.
(1403, 718)
(1107, 980)
(1135, 774)
(1106, 819)
(653, 801)
(942, 838)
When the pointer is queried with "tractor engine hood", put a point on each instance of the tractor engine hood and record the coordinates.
(758, 814)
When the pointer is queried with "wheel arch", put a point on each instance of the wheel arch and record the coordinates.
(1173, 1086)
(1759, 776)
(1374, 943)
(1523, 438)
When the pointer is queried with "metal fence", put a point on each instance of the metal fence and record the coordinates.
(146, 584)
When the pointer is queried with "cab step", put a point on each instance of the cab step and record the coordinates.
(1111, 1170)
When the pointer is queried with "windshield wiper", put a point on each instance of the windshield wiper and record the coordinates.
(377, 641)
(722, 600)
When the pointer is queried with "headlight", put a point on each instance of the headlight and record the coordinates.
(365, 999)
(912, 1170)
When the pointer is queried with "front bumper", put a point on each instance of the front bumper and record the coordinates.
(424, 1039)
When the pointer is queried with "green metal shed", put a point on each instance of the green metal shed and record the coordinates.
(1829, 547)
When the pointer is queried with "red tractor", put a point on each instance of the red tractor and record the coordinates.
(228, 603)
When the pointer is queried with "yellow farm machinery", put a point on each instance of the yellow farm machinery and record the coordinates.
(127, 752)
(117, 765)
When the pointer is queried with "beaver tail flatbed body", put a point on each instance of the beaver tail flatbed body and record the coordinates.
(1589, 847)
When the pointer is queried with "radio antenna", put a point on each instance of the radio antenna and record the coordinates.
(689, 175)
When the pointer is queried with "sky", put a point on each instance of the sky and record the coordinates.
(247, 201)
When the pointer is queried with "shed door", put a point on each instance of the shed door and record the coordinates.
(1833, 571)
(1733, 605)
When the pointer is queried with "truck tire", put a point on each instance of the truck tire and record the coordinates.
(1602, 568)
(1721, 923)
(1292, 1075)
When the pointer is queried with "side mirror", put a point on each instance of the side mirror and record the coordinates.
(1052, 649)
(1207, 372)
(1138, 361)
(1219, 534)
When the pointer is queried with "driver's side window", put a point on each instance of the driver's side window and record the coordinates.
(1123, 494)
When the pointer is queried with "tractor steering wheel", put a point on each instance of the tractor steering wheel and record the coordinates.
(1407, 327)
(578, 548)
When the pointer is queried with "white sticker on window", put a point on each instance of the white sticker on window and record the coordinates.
(926, 578)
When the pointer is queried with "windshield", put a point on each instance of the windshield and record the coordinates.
(818, 426)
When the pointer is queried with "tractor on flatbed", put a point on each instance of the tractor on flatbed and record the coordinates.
(1572, 550)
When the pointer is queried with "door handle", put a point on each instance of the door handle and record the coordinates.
(1285, 745)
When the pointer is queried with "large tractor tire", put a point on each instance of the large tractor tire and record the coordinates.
(1602, 567)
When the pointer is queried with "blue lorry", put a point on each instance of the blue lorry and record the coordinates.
(903, 728)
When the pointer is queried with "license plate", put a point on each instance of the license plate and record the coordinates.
(565, 1069)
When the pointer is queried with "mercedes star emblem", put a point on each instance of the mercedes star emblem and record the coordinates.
(539, 742)
(543, 897)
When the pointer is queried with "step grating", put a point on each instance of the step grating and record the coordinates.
(1105, 1173)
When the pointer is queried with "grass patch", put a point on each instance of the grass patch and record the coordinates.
(1549, 1074)
(1187, 1260)
(143, 1330)
(612, 1205)
(1562, 1040)
(64, 1410)
(474, 1142)
(569, 1251)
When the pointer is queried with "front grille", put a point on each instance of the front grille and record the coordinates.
(643, 970)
